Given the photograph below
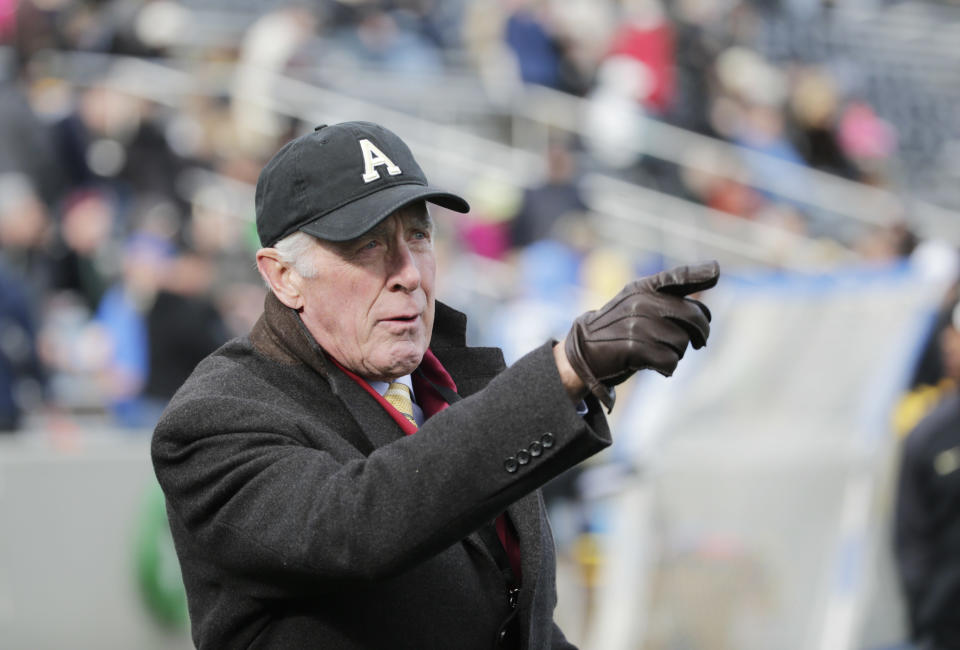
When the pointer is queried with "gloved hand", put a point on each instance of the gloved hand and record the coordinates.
(647, 325)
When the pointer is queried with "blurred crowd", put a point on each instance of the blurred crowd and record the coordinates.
(126, 220)
(121, 265)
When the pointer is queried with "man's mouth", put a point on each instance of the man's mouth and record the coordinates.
(405, 318)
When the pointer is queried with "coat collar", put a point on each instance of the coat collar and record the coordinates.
(281, 335)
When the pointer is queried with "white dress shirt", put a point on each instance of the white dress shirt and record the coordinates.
(381, 387)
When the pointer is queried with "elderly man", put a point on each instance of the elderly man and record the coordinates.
(351, 474)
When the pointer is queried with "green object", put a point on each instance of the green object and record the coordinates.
(158, 570)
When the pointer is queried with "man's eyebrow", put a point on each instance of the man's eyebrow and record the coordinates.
(377, 231)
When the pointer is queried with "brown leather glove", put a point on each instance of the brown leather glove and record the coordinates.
(647, 325)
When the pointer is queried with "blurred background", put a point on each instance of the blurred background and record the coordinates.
(812, 147)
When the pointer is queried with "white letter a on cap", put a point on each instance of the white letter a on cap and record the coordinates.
(373, 157)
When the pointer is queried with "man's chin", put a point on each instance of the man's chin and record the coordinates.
(400, 364)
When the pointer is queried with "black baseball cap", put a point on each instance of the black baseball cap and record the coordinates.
(339, 181)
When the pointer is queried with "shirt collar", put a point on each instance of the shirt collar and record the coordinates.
(381, 386)
(407, 380)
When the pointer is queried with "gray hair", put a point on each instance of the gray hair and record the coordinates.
(297, 250)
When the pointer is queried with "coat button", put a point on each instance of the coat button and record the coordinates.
(547, 440)
(535, 448)
(502, 637)
(523, 456)
(511, 464)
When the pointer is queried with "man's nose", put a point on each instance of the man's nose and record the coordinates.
(405, 274)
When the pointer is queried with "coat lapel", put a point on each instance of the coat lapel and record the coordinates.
(526, 517)
(472, 369)
(282, 336)
(378, 426)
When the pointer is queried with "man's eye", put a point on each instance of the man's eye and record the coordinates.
(370, 244)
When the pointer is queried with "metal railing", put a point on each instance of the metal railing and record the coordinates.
(637, 217)
(842, 198)
(456, 158)
(535, 111)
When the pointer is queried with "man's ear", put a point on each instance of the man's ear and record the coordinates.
(282, 278)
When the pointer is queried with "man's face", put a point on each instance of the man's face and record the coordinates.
(371, 303)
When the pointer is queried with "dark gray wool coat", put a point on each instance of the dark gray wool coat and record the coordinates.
(304, 518)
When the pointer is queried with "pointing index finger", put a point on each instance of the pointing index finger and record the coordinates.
(684, 280)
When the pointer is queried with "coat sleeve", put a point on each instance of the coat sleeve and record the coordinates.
(285, 518)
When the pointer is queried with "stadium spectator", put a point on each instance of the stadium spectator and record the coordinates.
(557, 198)
(391, 41)
(21, 375)
(927, 527)
(814, 109)
(183, 326)
(122, 315)
(27, 146)
(647, 38)
(25, 236)
(85, 257)
(528, 36)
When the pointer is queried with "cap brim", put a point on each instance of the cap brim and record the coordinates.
(356, 218)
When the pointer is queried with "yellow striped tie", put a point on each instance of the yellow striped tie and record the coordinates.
(399, 397)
